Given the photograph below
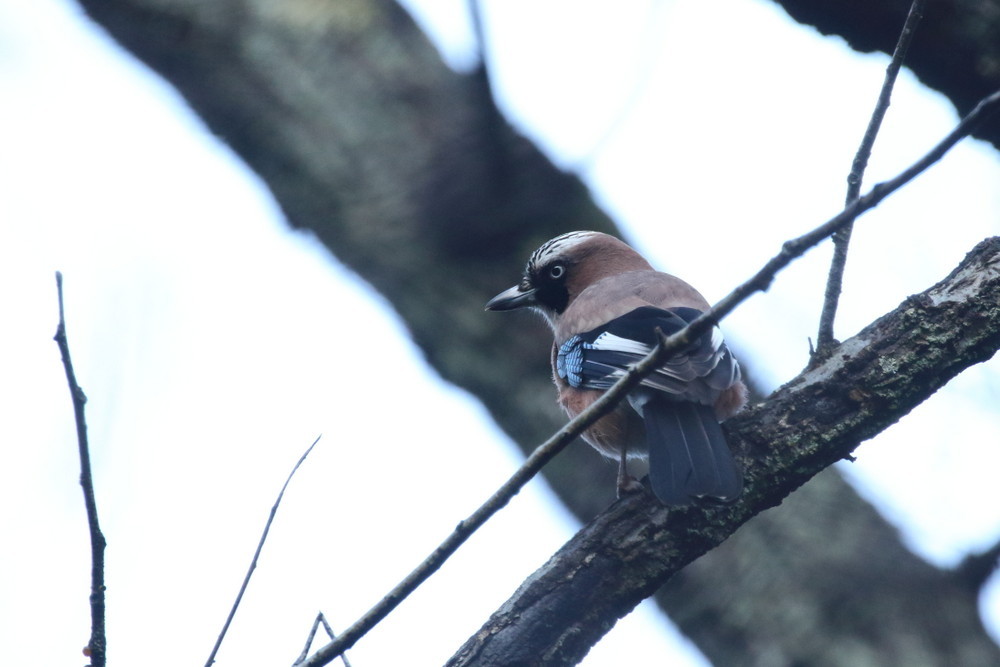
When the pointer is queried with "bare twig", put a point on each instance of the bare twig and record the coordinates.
(98, 645)
(309, 640)
(842, 238)
(331, 635)
(256, 555)
(546, 451)
(320, 618)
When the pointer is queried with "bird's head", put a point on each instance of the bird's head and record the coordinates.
(565, 266)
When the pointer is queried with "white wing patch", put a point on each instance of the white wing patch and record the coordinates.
(609, 341)
(717, 340)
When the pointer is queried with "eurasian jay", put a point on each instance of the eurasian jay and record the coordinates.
(604, 303)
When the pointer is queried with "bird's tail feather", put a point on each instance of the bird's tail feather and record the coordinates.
(688, 454)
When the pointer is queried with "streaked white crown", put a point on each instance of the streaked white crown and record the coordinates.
(558, 246)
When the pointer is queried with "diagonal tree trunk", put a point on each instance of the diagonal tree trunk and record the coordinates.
(405, 170)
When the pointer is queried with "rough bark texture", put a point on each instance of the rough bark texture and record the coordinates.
(818, 418)
(407, 173)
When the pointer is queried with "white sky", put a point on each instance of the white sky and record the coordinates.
(206, 338)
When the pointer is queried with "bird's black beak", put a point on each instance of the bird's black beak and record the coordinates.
(518, 296)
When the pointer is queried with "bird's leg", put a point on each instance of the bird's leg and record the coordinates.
(626, 483)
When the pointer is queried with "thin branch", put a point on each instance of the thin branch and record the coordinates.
(309, 640)
(256, 555)
(331, 635)
(98, 645)
(842, 238)
(546, 451)
(320, 618)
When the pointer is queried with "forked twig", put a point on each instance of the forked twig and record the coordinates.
(545, 452)
(842, 238)
(98, 645)
(256, 555)
(320, 618)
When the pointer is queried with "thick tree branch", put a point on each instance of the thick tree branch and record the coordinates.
(629, 551)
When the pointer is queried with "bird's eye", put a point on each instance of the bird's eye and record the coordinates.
(557, 271)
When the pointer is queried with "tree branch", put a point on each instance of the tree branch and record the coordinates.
(320, 619)
(842, 239)
(630, 550)
(256, 555)
(97, 647)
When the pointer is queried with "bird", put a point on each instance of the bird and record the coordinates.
(606, 306)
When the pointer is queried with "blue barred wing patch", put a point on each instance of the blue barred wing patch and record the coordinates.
(597, 359)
